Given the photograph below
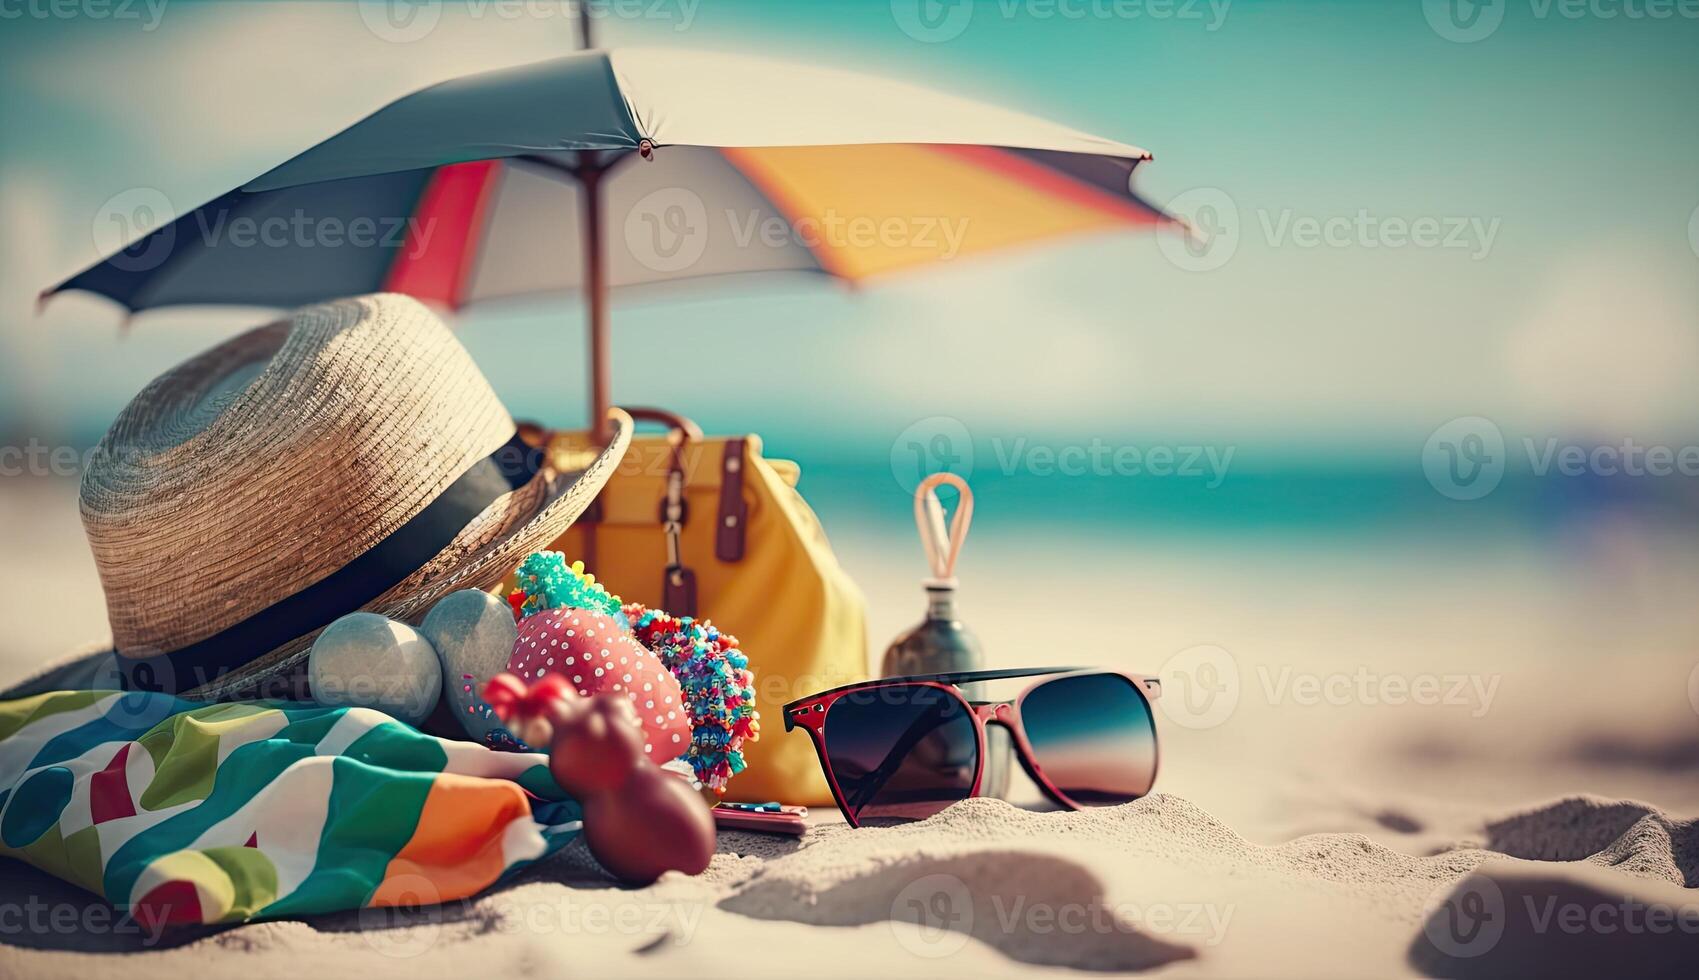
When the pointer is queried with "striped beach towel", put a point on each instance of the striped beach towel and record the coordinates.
(186, 812)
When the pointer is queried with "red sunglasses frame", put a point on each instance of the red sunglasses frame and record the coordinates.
(810, 715)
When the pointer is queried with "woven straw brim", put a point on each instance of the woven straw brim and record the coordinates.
(492, 546)
(489, 549)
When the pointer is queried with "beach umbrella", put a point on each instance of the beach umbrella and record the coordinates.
(630, 168)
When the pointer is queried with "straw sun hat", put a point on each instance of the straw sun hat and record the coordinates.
(348, 457)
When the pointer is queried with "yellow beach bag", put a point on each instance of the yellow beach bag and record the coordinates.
(708, 527)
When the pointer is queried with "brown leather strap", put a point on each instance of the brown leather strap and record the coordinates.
(678, 582)
(678, 591)
(729, 533)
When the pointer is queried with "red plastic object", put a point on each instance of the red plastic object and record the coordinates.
(639, 821)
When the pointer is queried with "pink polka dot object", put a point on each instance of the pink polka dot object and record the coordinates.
(596, 655)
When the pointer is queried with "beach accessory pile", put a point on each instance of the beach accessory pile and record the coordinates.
(719, 689)
(718, 686)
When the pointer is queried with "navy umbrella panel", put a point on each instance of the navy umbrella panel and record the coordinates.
(258, 248)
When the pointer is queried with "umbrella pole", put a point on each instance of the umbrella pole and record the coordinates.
(595, 301)
(595, 285)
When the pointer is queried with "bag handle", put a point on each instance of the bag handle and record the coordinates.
(685, 429)
(678, 582)
(942, 548)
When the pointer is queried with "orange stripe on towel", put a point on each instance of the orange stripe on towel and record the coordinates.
(457, 845)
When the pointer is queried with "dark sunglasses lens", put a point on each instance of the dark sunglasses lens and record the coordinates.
(1093, 737)
(901, 753)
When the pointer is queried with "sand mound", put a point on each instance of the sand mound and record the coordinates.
(1632, 837)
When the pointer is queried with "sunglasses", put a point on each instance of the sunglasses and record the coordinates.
(904, 748)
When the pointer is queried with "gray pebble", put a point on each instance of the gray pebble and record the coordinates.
(365, 660)
(473, 633)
